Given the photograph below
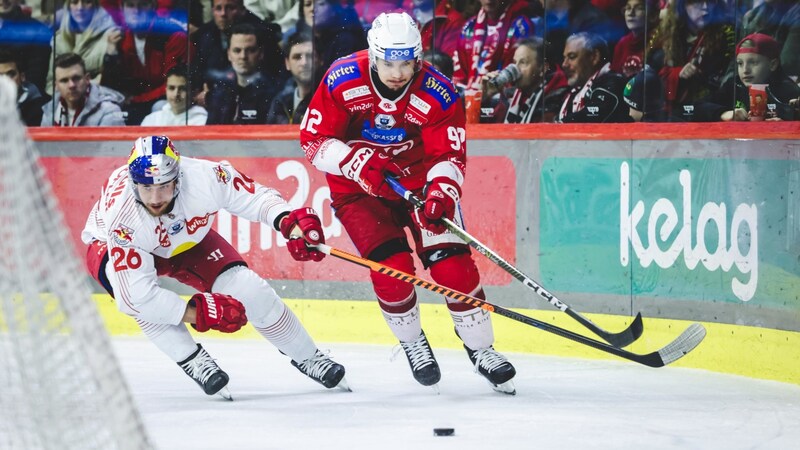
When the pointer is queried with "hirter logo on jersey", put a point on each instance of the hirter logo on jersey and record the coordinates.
(123, 236)
(441, 91)
(223, 175)
(339, 74)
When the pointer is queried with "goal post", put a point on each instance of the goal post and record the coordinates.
(61, 386)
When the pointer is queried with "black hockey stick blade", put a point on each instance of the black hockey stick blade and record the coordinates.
(621, 339)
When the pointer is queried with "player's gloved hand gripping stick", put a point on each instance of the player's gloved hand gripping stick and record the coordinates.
(621, 339)
(673, 351)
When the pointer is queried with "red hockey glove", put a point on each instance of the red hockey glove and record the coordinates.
(441, 198)
(306, 221)
(217, 311)
(369, 168)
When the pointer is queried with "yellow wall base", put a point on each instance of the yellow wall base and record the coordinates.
(749, 351)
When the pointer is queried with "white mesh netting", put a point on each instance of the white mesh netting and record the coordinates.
(61, 386)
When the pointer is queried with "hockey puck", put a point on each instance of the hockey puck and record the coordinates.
(444, 431)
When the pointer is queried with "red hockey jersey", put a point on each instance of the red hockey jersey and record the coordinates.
(421, 128)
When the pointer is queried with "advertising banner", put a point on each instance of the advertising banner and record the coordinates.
(713, 230)
(489, 213)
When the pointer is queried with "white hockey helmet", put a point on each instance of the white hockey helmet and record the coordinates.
(394, 37)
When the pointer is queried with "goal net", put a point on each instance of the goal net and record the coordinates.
(61, 386)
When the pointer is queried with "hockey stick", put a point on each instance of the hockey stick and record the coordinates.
(676, 349)
(621, 339)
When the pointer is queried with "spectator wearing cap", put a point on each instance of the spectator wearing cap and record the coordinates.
(644, 94)
(779, 19)
(536, 95)
(596, 95)
(758, 62)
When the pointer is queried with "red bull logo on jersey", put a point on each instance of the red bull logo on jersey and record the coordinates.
(122, 236)
(223, 174)
(341, 73)
(438, 89)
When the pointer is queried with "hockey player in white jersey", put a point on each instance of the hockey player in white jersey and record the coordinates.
(154, 217)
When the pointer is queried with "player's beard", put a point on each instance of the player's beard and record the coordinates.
(165, 209)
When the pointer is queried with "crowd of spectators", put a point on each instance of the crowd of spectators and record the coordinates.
(196, 62)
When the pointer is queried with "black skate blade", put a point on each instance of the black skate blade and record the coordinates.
(507, 388)
(225, 393)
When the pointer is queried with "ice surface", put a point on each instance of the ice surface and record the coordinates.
(561, 403)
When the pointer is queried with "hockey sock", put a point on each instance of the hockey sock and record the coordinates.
(174, 340)
(289, 335)
(406, 325)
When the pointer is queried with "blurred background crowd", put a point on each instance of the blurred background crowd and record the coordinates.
(197, 62)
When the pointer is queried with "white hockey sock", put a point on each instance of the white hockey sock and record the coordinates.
(174, 340)
(289, 335)
(474, 326)
(405, 326)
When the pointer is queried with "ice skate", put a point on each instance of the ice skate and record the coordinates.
(423, 364)
(494, 367)
(325, 371)
(206, 373)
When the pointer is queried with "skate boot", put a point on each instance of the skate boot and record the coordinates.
(423, 363)
(325, 371)
(206, 373)
(494, 367)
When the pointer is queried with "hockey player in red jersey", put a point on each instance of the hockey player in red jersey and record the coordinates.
(154, 218)
(385, 111)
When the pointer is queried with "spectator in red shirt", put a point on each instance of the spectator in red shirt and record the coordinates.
(138, 58)
(631, 52)
(440, 26)
(487, 40)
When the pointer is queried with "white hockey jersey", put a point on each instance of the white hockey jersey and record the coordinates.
(134, 236)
